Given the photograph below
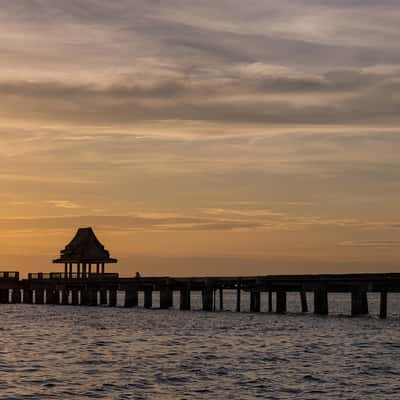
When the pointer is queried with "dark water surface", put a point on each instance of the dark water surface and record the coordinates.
(65, 352)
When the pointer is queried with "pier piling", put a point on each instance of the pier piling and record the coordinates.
(238, 298)
(148, 298)
(270, 301)
(27, 296)
(39, 296)
(303, 298)
(65, 297)
(131, 298)
(383, 305)
(166, 298)
(359, 302)
(75, 297)
(281, 300)
(112, 298)
(207, 297)
(321, 301)
(185, 299)
(16, 296)
(255, 301)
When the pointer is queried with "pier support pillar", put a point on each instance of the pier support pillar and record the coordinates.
(221, 299)
(84, 297)
(103, 296)
(65, 297)
(92, 296)
(208, 299)
(281, 300)
(270, 301)
(52, 296)
(148, 298)
(238, 298)
(75, 297)
(39, 296)
(255, 301)
(113, 297)
(28, 296)
(359, 302)
(383, 305)
(321, 301)
(16, 296)
(166, 298)
(4, 296)
(303, 298)
(131, 298)
(185, 299)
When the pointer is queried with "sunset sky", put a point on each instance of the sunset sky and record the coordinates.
(202, 137)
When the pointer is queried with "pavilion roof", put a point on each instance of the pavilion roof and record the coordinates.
(84, 248)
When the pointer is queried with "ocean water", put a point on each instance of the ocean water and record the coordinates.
(65, 352)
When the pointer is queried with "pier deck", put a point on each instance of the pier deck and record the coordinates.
(101, 289)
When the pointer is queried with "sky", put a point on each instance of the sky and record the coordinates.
(202, 137)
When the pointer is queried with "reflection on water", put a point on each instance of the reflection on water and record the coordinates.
(61, 352)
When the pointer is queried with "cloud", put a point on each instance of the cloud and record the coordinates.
(64, 204)
(378, 244)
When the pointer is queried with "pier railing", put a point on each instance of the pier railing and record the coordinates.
(71, 276)
(9, 275)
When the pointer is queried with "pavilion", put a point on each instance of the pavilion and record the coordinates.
(84, 250)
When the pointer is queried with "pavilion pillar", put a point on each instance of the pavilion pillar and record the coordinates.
(65, 297)
(166, 297)
(148, 297)
(102, 268)
(39, 296)
(16, 296)
(28, 296)
(70, 270)
(78, 270)
(131, 298)
(255, 301)
(84, 270)
(103, 296)
(383, 305)
(90, 268)
(113, 297)
(359, 302)
(281, 302)
(75, 297)
(321, 301)
(303, 299)
(65, 271)
(207, 297)
(185, 298)
(4, 296)
(97, 268)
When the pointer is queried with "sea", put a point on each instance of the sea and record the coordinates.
(77, 352)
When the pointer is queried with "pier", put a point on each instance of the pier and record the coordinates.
(101, 290)
(90, 285)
